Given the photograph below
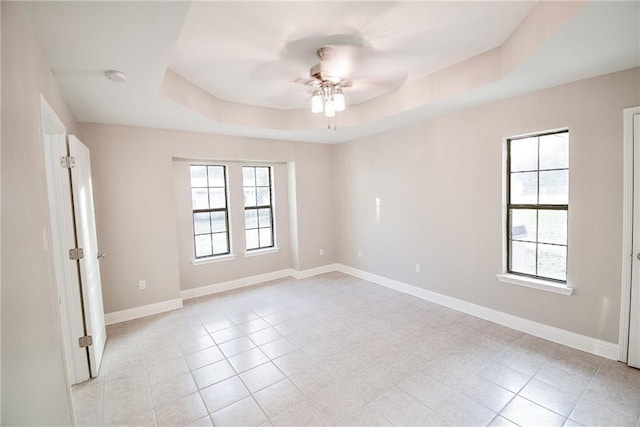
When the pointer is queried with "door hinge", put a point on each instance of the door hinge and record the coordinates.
(76, 254)
(85, 341)
(67, 162)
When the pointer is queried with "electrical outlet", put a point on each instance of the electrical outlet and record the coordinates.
(321, 251)
(359, 254)
(417, 268)
(142, 284)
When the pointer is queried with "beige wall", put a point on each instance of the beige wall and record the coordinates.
(146, 236)
(440, 185)
(135, 215)
(34, 388)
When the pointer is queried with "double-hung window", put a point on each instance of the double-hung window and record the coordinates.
(537, 205)
(210, 210)
(258, 207)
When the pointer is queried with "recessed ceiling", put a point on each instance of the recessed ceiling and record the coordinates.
(250, 52)
(227, 67)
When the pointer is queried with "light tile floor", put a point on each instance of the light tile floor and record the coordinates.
(336, 350)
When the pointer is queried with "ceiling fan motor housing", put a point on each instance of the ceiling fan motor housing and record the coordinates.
(322, 72)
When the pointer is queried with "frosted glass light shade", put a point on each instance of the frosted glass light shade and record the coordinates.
(316, 102)
(329, 109)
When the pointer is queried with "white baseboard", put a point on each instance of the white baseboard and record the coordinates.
(303, 274)
(254, 280)
(551, 333)
(142, 311)
(234, 284)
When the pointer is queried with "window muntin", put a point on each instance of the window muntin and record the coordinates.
(258, 207)
(537, 205)
(210, 211)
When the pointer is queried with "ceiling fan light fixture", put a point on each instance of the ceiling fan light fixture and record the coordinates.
(327, 82)
(316, 102)
(338, 100)
(329, 109)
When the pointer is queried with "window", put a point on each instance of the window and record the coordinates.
(210, 212)
(258, 208)
(537, 205)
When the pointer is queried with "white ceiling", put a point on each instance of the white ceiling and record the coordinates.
(226, 67)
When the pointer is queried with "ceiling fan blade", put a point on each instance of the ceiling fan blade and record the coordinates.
(304, 80)
(273, 70)
(389, 82)
(306, 48)
(365, 89)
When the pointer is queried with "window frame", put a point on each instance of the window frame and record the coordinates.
(210, 210)
(257, 208)
(534, 206)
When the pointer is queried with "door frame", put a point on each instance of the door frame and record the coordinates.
(61, 227)
(627, 229)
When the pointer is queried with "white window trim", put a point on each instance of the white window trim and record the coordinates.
(515, 279)
(264, 251)
(272, 178)
(213, 259)
(530, 282)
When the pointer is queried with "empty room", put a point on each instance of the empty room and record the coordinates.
(420, 213)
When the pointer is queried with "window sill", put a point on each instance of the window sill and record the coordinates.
(261, 252)
(211, 260)
(543, 285)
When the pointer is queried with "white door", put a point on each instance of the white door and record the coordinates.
(633, 357)
(89, 262)
(62, 239)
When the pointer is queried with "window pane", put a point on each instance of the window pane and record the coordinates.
(257, 192)
(216, 176)
(524, 154)
(250, 197)
(208, 192)
(220, 243)
(199, 198)
(248, 176)
(251, 218)
(524, 188)
(216, 196)
(201, 223)
(523, 257)
(263, 196)
(264, 218)
(198, 176)
(554, 151)
(552, 227)
(252, 239)
(554, 187)
(218, 221)
(203, 246)
(262, 177)
(552, 261)
(523, 224)
(265, 237)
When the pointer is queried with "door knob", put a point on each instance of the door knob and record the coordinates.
(101, 255)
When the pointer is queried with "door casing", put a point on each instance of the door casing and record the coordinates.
(629, 148)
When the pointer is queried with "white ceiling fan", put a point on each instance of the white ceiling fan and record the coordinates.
(327, 79)
(345, 64)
